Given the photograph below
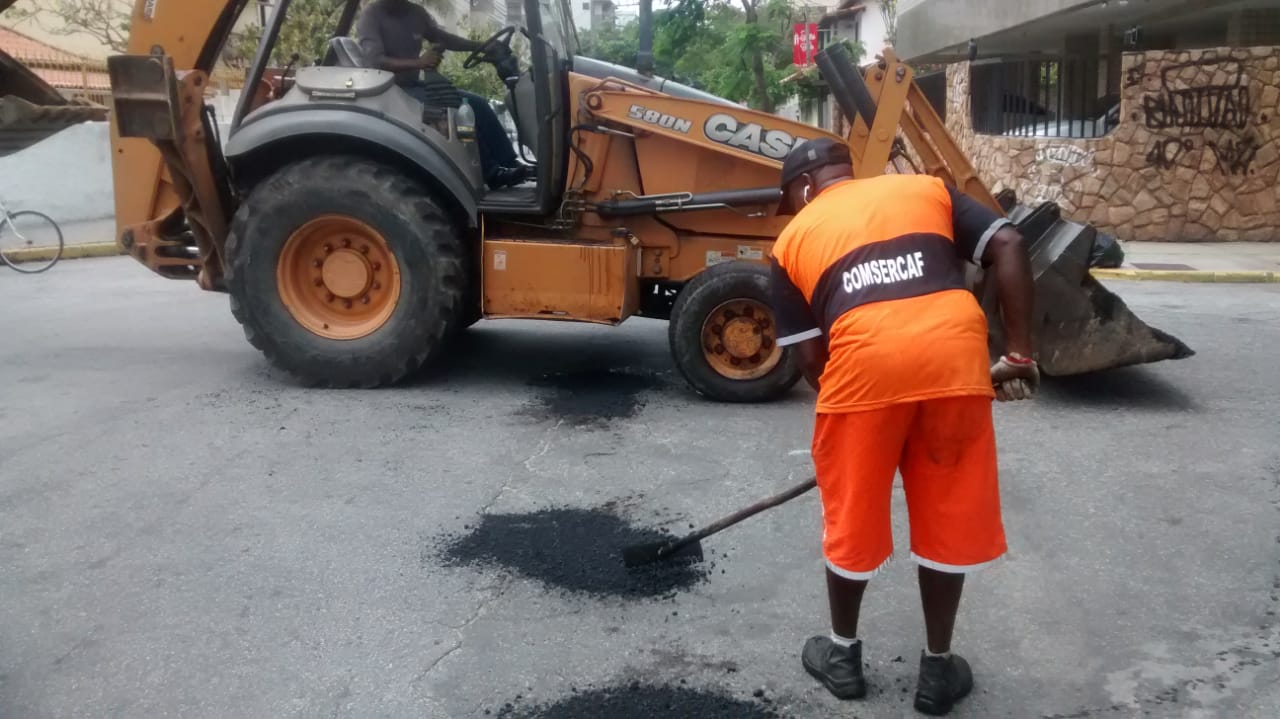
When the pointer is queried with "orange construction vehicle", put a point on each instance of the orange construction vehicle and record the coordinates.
(351, 228)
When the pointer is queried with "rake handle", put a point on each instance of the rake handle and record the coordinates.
(738, 516)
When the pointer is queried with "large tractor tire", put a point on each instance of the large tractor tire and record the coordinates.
(344, 273)
(724, 338)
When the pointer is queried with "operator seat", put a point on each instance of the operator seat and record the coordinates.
(347, 53)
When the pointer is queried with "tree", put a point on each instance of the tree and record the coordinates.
(889, 13)
(739, 52)
(107, 21)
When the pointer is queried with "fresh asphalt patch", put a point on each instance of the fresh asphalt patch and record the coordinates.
(643, 701)
(578, 551)
(590, 397)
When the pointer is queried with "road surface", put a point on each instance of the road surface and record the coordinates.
(183, 532)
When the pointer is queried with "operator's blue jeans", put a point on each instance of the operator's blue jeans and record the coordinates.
(495, 147)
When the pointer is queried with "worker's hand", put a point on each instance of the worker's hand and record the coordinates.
(430, 59)
(1015, 377)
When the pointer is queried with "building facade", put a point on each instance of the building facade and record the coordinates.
(1152, 119)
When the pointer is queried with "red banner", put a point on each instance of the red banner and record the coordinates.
(804, 44)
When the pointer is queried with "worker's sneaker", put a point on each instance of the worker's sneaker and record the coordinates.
(838, 668)
(943, 682)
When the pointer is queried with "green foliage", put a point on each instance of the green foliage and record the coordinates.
(712, 45)
(306, 32)
(481, 79)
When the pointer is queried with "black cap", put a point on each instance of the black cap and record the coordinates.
(807, 157)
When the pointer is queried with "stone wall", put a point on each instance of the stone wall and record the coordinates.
(1196, 155)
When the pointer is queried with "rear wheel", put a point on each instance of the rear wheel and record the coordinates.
(724, 338)
(344, 273)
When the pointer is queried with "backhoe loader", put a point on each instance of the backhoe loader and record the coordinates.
(355, 237)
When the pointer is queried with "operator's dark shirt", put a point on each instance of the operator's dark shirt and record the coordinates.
(386, 32)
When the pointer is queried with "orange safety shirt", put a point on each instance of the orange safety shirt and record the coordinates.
(875, 268)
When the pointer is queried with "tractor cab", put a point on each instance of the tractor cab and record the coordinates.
(344, 88)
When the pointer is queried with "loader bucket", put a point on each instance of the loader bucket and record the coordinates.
(1079, 325)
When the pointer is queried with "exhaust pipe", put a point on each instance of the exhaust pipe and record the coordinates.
(644, 51)
(846, 83)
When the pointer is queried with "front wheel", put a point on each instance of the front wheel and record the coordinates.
(345, 273)
(724, 337)
(30, 242)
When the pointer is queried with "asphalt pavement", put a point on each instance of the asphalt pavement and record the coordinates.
(184, 532)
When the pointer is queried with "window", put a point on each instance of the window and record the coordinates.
(1041, 98)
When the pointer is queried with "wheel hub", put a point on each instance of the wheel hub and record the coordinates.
(346, 273)
(739, 339)
(338, 277)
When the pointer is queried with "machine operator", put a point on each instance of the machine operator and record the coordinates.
(392, 33)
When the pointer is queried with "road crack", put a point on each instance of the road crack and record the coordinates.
(459, 630)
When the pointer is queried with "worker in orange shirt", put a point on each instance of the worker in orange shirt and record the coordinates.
(868, 284)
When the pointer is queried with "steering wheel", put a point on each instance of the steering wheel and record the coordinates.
(501, 38)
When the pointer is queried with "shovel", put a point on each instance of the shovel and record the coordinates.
(690, 547)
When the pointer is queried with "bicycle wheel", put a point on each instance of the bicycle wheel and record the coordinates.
(30, 242)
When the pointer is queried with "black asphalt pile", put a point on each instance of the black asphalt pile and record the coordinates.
(590, 397)
(639, 701)
(577, 550)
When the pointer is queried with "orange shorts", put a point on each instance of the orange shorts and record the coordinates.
(946, 450)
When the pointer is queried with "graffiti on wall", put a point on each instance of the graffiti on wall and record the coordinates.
(1199, 107)
(1069, 155)
(1224, 105)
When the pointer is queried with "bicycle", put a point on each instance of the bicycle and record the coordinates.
(26, 240)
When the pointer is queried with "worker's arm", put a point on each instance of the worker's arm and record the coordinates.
(439, 36)
(796, 324)
(986, 238)
(813, 360)
(990, 239)
(1006, 258)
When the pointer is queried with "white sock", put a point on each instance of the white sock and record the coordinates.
(843, 641)
(928, 653)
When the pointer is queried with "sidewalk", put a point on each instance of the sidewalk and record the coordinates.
(1198, 262)
(1168, 261)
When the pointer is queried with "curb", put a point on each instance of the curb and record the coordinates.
(1236, 276)
(69, 252)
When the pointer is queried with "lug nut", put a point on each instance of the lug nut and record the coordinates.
(364, 250)
(346, 242)
(318, 282)
(364, 300)
(317, 263)
(377, 266)
(328, 248)
(735, 361)
(719, 349)
(377, 285)
(346, 304)
(328, 297)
